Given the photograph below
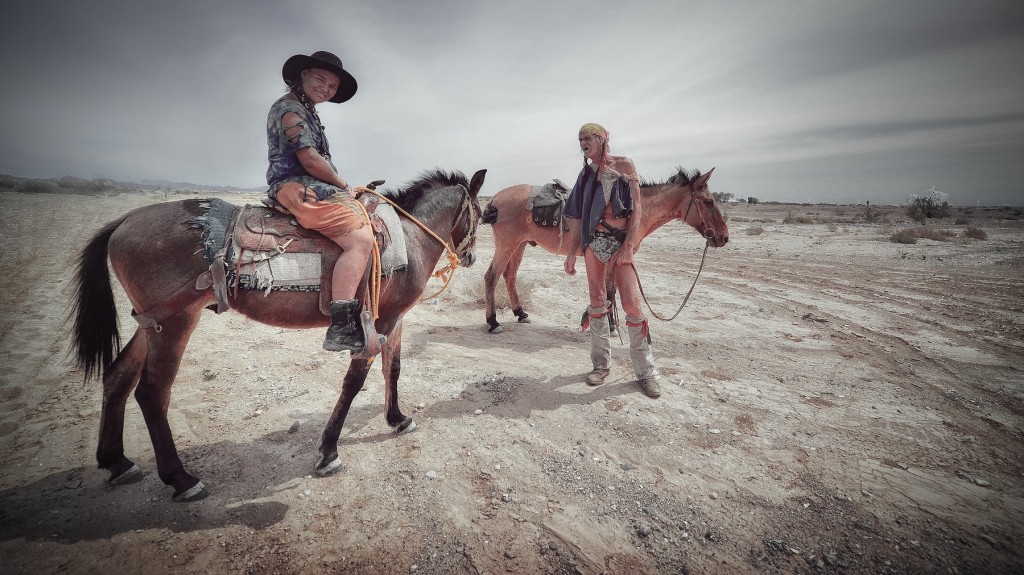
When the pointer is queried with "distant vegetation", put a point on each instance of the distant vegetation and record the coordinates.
(65, 185)
(72, 185)
(911, 235)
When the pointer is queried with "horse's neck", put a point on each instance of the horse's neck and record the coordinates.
(660, 205)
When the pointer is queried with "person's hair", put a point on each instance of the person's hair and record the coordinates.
(598, 131)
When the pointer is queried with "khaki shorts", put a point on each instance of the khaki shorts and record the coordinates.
(333, 217)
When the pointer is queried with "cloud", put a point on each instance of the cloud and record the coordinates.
(824, 92)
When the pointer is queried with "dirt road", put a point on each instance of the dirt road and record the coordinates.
(833, 403)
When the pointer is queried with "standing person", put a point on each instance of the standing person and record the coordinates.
(604, 210)
(304, 181)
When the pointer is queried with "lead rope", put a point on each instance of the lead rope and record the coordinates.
(375, 272)
(446, 273)
(685, 299)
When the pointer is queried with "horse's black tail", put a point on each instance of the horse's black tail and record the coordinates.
(490, 215)
(95, 333)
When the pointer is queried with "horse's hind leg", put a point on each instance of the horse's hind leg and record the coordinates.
(329, 462)
(511, 271)
(118, 381)
(153, 395)
(497, 268)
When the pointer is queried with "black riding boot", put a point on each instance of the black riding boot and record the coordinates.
(346, 330)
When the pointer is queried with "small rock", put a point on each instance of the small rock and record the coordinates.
(295, 426)
(431, 474)
(307, 493)
(988, 539)
(981, 482)
(713, 495)
(627, 466)
(478, 412)
(643, 530)
(715, 430)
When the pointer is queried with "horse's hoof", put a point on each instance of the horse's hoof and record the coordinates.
(330, 468)
(524, 319)
(195, 493)
(495, 329)
(132, 475)
(407, 426)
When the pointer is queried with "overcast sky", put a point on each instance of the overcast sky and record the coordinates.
(805, 101)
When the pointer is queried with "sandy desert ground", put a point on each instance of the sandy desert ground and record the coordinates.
(833, 402)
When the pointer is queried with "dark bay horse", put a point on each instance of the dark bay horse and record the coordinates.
(684, 196)
(153, 253)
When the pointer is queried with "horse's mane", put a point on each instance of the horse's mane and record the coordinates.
(680, 178)
(412, 193)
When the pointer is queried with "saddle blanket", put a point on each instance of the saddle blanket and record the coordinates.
(268, 251)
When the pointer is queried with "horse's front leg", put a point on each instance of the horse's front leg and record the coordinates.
(392, 368)
(329, 462)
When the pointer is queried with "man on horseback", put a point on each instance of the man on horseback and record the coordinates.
(304, 182)
(604, 220)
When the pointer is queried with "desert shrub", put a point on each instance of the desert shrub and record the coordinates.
(975, 233)
(886, 229)
(795, 219)
(961, 221)
(902, 237)
(754, 230)
(931, 204)
(752, 200)
(931, 233)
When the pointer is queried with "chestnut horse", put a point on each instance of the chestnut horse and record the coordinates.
(153, 253)
(684, 196)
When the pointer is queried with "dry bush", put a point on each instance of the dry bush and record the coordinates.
(961, 221)
(930, 233)
(754, 230)
(975, 233)
(795, 219)
(902, 237)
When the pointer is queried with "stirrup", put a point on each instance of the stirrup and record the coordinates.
(374, 341)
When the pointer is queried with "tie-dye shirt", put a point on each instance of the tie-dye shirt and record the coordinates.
(282, 152)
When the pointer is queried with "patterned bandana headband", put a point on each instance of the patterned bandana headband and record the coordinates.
(594, 130)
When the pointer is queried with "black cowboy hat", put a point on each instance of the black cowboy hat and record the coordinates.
(327, 61)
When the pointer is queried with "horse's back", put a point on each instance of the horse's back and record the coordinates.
(514, 222)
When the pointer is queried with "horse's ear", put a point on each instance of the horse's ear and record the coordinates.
(703, 180)
(476, 183)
